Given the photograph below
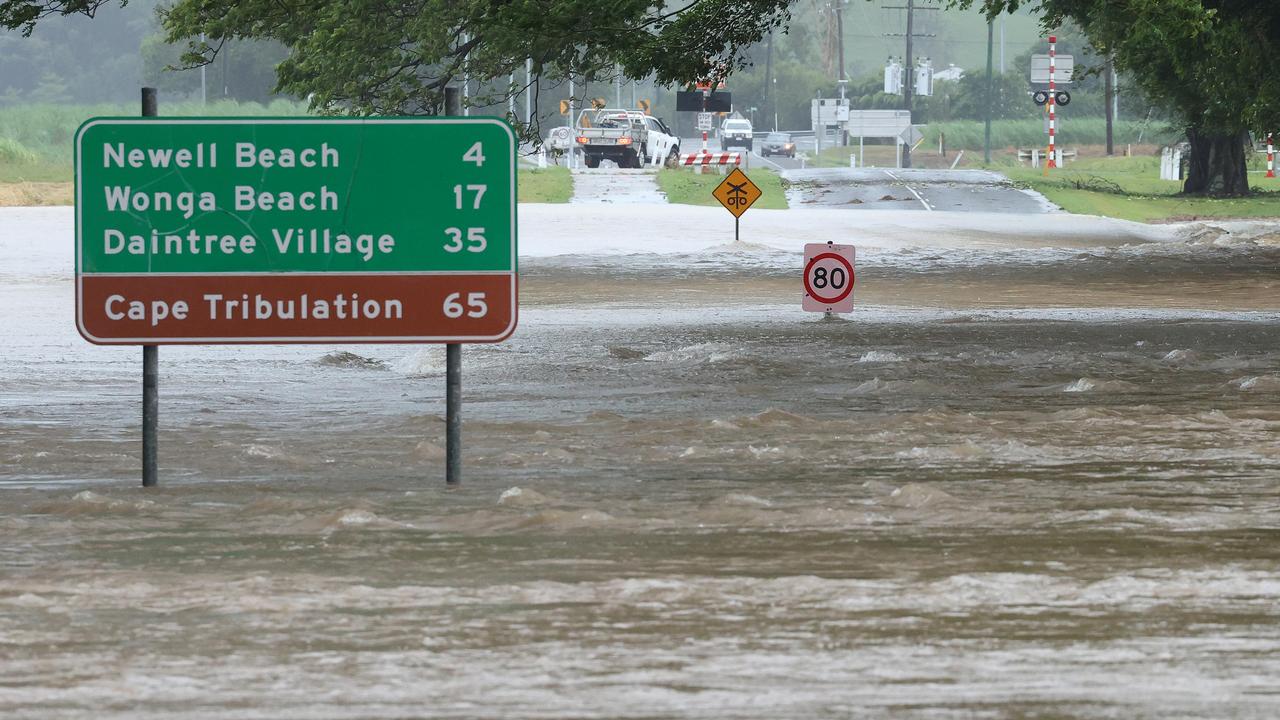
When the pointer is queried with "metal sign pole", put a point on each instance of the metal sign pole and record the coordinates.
(453, 373)
(150, 367)
(453, 414)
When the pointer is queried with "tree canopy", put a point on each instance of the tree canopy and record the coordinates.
(371, 57)
(1205, 61)
(1208, 62)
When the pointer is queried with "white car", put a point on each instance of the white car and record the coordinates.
(736, 132)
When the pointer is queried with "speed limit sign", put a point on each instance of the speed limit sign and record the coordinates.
(828, 278)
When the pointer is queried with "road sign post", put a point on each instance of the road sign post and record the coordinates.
(452, 369)
(737, 194)
(828, 278)
(295, 230)
(150, 367)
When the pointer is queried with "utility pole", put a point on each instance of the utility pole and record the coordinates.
(909, 63)
(204, 87)
(986, 142)
(844, 136)
(466, 79)
(911, 79)
(840, 37)
(1002, 44)
(1110, 93)
(768, 80)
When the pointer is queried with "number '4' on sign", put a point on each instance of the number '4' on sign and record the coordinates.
(828, 278)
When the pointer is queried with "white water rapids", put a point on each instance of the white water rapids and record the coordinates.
(1035, 474)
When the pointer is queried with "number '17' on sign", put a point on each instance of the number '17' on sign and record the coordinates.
(828, 278)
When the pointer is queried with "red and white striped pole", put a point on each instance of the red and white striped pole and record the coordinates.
(1053, 43)
(704, 142)
(1271, 158)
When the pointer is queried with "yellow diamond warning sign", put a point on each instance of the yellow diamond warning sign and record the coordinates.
(737, 192)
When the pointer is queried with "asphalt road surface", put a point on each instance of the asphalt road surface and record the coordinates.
(913, 189)
(874, 188)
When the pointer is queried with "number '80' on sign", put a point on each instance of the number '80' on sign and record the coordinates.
(828, 278)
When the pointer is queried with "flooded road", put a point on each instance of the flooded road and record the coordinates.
(1028, 477)
(908, 189)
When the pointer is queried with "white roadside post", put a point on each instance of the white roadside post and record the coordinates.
(1053, 44)
(1271, 158)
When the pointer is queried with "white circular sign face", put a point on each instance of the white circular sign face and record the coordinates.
(828, 278)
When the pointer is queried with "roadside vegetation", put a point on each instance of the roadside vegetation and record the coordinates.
(549, 185)
(970, 134)
(1007, 136)
(36, 140)
(1128, 188)
(1131, 189)
(684, 187)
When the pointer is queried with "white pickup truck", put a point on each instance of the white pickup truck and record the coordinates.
(736, 131)
(629, 138)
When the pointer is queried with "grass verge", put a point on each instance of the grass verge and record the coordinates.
(684, 187)
(38, 171)
(35, 141)
(550, 185)
(1131, 189)
(31, 194)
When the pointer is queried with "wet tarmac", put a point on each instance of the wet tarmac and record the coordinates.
(911, 189)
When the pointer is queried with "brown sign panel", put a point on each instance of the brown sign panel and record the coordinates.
(737, 192)
(273, 308)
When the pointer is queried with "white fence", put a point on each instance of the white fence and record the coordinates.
(1171, 163)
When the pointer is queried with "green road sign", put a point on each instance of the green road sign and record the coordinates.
(295, 230)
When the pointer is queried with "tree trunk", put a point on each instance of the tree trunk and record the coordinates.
(1217, 164)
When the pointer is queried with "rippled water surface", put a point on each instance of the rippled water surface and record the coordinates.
(1015, 483)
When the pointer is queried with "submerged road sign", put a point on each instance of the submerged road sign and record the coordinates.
(737, 193)
(205, 230)
(828, 278)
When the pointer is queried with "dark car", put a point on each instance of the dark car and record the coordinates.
(778, 143)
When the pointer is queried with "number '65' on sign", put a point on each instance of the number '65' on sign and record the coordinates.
(828, 278)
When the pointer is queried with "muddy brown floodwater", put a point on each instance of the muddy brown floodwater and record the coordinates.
(1015, 483)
